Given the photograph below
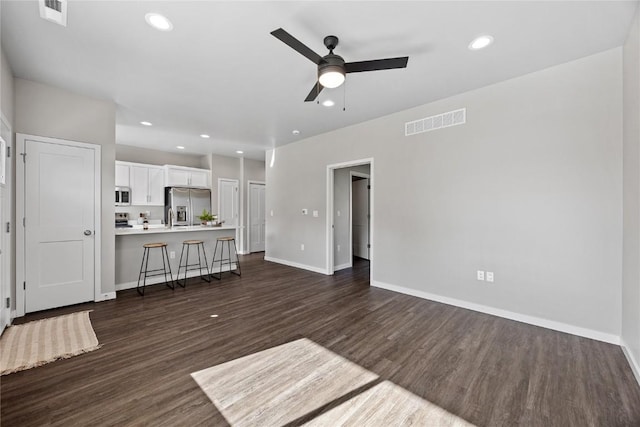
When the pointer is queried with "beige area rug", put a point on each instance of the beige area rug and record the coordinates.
(281, 384)
(387, 404)
(42, 341)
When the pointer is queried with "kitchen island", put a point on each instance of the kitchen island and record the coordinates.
(129, 249)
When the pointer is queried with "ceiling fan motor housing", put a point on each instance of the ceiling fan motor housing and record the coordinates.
(331, 62)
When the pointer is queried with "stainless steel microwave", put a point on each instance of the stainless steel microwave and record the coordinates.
(123, 196)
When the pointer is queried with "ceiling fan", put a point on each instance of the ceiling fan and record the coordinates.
(331, 67)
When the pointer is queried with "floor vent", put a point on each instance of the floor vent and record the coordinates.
(444, 120)
(54, 11)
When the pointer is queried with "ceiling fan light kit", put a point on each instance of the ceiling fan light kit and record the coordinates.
(332, 69)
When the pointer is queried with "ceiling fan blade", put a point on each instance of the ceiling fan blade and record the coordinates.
(317, 88)
(296, 45)
(376, 64)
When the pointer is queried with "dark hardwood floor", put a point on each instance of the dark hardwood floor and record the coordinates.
(487, 370)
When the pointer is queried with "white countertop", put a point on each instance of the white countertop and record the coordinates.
(154, 229)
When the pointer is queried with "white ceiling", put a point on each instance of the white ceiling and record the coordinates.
(220, 72)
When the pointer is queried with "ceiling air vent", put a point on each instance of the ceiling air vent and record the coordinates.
(54, 11)
(444, 120)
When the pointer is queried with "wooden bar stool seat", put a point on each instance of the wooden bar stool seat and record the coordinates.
(144, 267)
(199, 244)
(226, 261)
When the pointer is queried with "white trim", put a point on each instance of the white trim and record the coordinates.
(343, 266)
(241, 215)
(635, 366)
(532, 320)
(351, 175)
(106, 296)
(7, 214)
(296, 265)
(20, 200)
(249, 184)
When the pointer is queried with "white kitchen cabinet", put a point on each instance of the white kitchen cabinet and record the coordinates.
(180, 176)
(122, 174)
(147, 185)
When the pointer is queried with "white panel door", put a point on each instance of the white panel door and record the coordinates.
(228, 201)
(59, 225)
(360, 218)
(257, 218)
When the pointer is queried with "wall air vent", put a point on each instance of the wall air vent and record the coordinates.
(54, 11)
(444, 120)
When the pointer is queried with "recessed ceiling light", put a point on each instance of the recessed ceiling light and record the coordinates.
(480, 42)
(328, 103)
(296, 132)
(146, 123)
(158, 21)
(204, 135)
(240, 152)
(179, 147)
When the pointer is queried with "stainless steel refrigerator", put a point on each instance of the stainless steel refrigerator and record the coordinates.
(186, 204)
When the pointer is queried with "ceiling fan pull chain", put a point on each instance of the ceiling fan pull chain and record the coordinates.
(344, 96)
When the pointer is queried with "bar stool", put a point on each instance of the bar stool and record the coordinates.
(145, 264)
(222, 259)
(199, 244)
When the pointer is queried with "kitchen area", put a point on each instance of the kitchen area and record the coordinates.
(171, 203)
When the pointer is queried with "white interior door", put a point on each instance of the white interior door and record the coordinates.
(59, 203)
(257, 217)
(228, 201)
(360, 217)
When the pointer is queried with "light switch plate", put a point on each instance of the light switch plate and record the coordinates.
(305, 211)
(480, 275)
(315, 214)
(489, 276)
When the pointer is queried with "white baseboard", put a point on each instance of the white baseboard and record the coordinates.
(160, 279)
(342, 266)
(106, 296)
(537, 321)
(635, 366)
(296, 265)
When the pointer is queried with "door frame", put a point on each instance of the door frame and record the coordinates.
(249, 184)
(21, 140)
(329, 266)
(6, 313)
(361, 175)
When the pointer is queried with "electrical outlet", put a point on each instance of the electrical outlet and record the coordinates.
(302, 246)
(489, 276)
(172, 255)
(315, 214)
(305, 211)
(480, 275)
(271, 212)
(338, 213)
(338, 248)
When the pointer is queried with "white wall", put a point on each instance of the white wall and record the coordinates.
(49, 111)
(529, 188)
(631, 191)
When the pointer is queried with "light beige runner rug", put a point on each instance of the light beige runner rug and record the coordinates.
(42, 341)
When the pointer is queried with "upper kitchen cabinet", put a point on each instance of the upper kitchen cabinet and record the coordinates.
(180, 176)
(122, 174)
(147, 185)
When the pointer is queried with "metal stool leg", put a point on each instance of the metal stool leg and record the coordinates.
(165, 254)
(204, 255)
(235, 248)
(213, 262)
(145, 254)
(180, 265)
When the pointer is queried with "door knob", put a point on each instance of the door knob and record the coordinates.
(87, 232)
